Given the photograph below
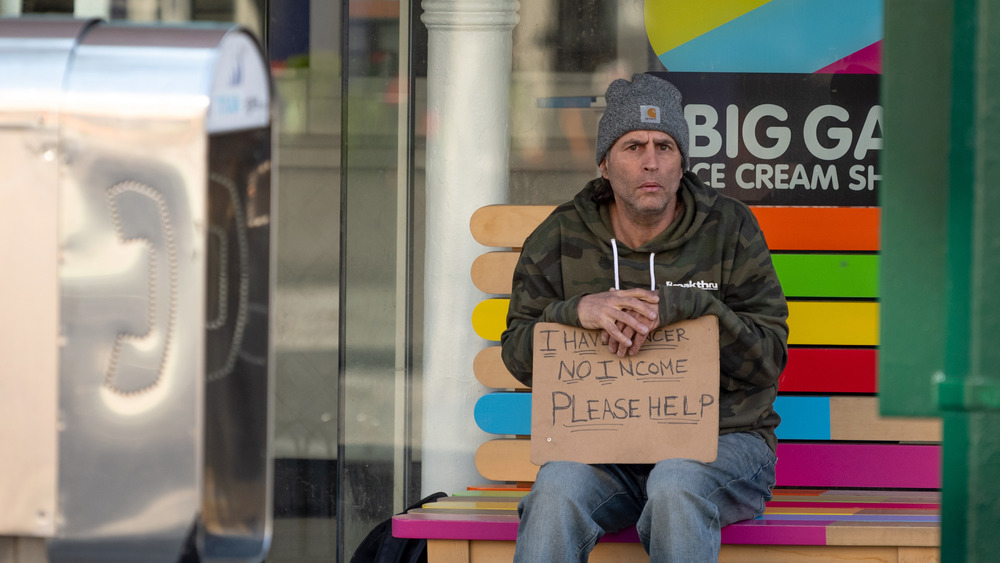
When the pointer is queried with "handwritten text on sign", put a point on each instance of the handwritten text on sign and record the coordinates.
(591, 406)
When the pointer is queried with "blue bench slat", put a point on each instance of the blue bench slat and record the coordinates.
(803, 418)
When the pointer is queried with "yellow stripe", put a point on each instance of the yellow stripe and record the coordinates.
(833, 323)
(670, 23)
(489, 319)
(825, 323)
(472, 505)
(811, 511)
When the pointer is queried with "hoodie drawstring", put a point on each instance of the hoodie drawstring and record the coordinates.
(614, 250)
(652, 274)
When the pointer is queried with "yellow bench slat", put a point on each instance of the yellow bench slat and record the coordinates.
(811, 323)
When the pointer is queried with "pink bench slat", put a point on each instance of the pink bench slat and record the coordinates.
(472, 526)
(859, 465)
(478, 526)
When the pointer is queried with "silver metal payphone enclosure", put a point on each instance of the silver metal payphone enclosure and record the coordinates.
(136, 374)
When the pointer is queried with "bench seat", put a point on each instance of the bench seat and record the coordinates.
(794, 517)
(879, 503)
(852, 485)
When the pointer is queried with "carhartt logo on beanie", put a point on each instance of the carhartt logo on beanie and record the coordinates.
(645, 103)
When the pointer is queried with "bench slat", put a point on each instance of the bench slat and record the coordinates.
(830, 370)
(506, 225)
(785, 228)
(782, 497)
(811, 323)
(828, 275)
(858, 419)
(493, 272)
(833, 323)
(809, 370)
(787, 520)
(801, 464)
(802, 275)
(802, 418)
(745, 542)
(820, 228)
(859, 465)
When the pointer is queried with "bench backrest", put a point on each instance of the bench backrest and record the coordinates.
(831, 433)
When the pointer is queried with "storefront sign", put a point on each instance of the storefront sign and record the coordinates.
(785, 139)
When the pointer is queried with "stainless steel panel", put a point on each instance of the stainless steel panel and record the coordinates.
(237, 502)
(142, 394)
(239, 369)
(33, 59)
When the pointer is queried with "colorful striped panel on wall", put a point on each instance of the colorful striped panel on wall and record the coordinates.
(801, 275)
(754, 36)
(802, 418)
(809, 370)
(786, 228)
(810, 323)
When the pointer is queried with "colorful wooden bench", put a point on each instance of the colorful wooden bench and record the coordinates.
(852, 485)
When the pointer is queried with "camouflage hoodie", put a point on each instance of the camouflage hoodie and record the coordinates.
(712, 260)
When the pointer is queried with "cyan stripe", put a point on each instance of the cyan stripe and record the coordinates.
(504, 413)
(803, 418)
(782, 36)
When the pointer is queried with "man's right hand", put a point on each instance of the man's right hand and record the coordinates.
(622, 315)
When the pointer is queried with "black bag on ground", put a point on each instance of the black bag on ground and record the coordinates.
(380, 547)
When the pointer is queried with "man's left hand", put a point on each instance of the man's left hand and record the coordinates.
(638, 339)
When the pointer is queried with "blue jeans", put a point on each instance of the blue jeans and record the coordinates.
(678, 506)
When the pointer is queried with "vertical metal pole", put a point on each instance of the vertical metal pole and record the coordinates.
(92, 9)
(970, 389)
(941, 245)
(404, 281)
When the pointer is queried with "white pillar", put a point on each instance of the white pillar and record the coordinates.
(175, 10)
(142, 10)
(92, 9)
(468, 132)
(10, 7)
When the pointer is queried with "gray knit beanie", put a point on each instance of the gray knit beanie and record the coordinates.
(646, 103)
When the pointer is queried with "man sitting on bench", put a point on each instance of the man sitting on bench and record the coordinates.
(647, 222)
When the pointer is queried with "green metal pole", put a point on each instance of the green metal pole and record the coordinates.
(941, 245)
(970, 389)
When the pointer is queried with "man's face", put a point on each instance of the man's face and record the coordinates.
(644, 169)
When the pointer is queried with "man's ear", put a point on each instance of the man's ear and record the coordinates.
(604, 167)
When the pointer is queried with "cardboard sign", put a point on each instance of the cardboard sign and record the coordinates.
(591, 406)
